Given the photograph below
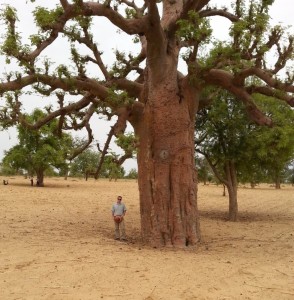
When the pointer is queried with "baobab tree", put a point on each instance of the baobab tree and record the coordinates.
(147, 88)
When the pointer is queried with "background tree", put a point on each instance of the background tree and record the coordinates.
(238, 149)
(112, 163)
(108, 164)
(38, 151)
(112, 168)
(222, 137)
(203, 169)
(271, 150)
(133, 174)
(290, 173)
(84, 162)
(146, 88)
(12, 166)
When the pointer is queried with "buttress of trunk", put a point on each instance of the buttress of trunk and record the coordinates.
(167, 174)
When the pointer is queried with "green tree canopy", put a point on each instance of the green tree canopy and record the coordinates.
(237, 149)
(133, 174)
(222, 132)
(40, 149)
(270, 150)
(84, 162)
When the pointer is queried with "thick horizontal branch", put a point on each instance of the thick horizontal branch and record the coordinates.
(84, 102)
(218, 13)
(132, 88)
(264, 75)
(268, 91)
(67, 84)
(226, 80)
(130, 26)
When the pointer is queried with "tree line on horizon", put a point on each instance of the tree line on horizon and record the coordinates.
(44, 152)
(228, 149)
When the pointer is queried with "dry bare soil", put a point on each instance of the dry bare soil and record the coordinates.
(57, 242)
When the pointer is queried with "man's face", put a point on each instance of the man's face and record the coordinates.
(119, 199)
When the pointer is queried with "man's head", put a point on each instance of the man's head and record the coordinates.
(119, 198)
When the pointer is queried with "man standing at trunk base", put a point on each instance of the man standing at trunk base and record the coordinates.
(118, 212)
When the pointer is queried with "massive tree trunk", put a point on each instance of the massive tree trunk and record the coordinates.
(166, 166)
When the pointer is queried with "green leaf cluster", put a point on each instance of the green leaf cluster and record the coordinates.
(11, 44)
(121, 66)
(46, 18)
(273, 148)
(86, 161)
(133, 174)
(194, 28)
(117, 99)
(110, 168)
(130, 13)
(8, 15)
(259, 153)
(127, 142)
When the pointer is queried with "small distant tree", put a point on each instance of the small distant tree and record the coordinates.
(7, 170)
(84, 162)
(133, 174)
(105, 163)
(112, 168)
(39, 150)
(289, 172)
(290, 177)
(127, 142)
(203, 170)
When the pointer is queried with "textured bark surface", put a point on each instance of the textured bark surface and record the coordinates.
(167, 175)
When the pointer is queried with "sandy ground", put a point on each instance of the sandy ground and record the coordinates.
(57, 243)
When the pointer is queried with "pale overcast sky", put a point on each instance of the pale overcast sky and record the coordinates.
(282, 11)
